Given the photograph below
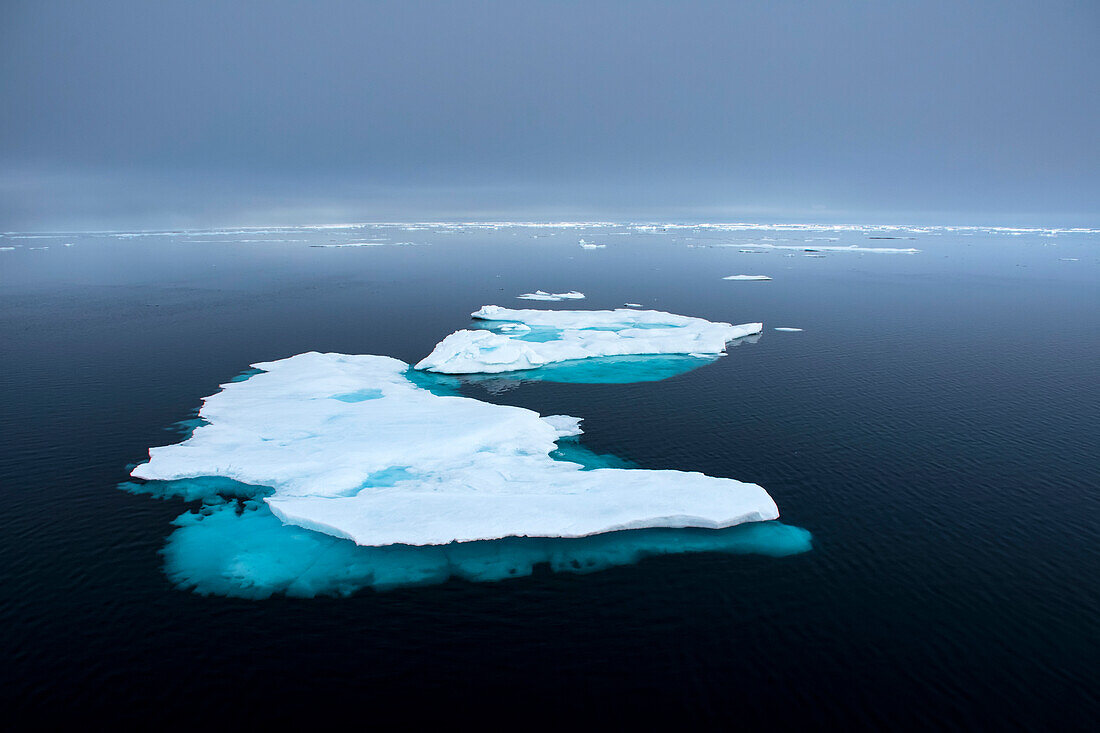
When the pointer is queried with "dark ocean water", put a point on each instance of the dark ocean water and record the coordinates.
(934, 427)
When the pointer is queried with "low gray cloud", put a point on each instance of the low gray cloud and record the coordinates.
(128, 113)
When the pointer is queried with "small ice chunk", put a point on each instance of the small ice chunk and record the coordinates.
(789, 330)
(591, 245)
(565, 425)
(633, 305)
(746, 277)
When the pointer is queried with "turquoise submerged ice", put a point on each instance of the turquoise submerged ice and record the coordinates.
(469, 470)
(245, 551)
(234, 546)
(529, 339)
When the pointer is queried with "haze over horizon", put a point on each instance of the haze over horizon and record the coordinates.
(124, 115)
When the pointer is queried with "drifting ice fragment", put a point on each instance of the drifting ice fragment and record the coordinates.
(790, 330)
(565, 335)
(746, 277)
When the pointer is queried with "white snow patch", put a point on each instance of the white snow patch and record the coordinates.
(447, 469)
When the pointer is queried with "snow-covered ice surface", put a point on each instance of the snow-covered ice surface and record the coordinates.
(543, 295)
(350, 448)
(353, 449)
(746, 277)
(570, 335)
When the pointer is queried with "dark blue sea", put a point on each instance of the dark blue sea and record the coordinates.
(933, 427)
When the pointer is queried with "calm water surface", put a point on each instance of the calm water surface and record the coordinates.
(934, 426)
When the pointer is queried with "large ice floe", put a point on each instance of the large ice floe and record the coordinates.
(304, 454)
(351, 448)
(556, 336)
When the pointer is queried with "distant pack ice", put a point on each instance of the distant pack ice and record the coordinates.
(353, 449)
(837, 248)
(566, 335)
(543, 295)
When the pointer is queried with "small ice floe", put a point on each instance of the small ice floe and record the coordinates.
(591, 245)
(1067, 259)
(7, 249)
(751, 251)
(788, 329)
(633, 305)
(567, 335)
(746, 277)
(405, 466)
(543, 295)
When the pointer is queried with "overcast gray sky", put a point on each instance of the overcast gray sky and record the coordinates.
(147, 114)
